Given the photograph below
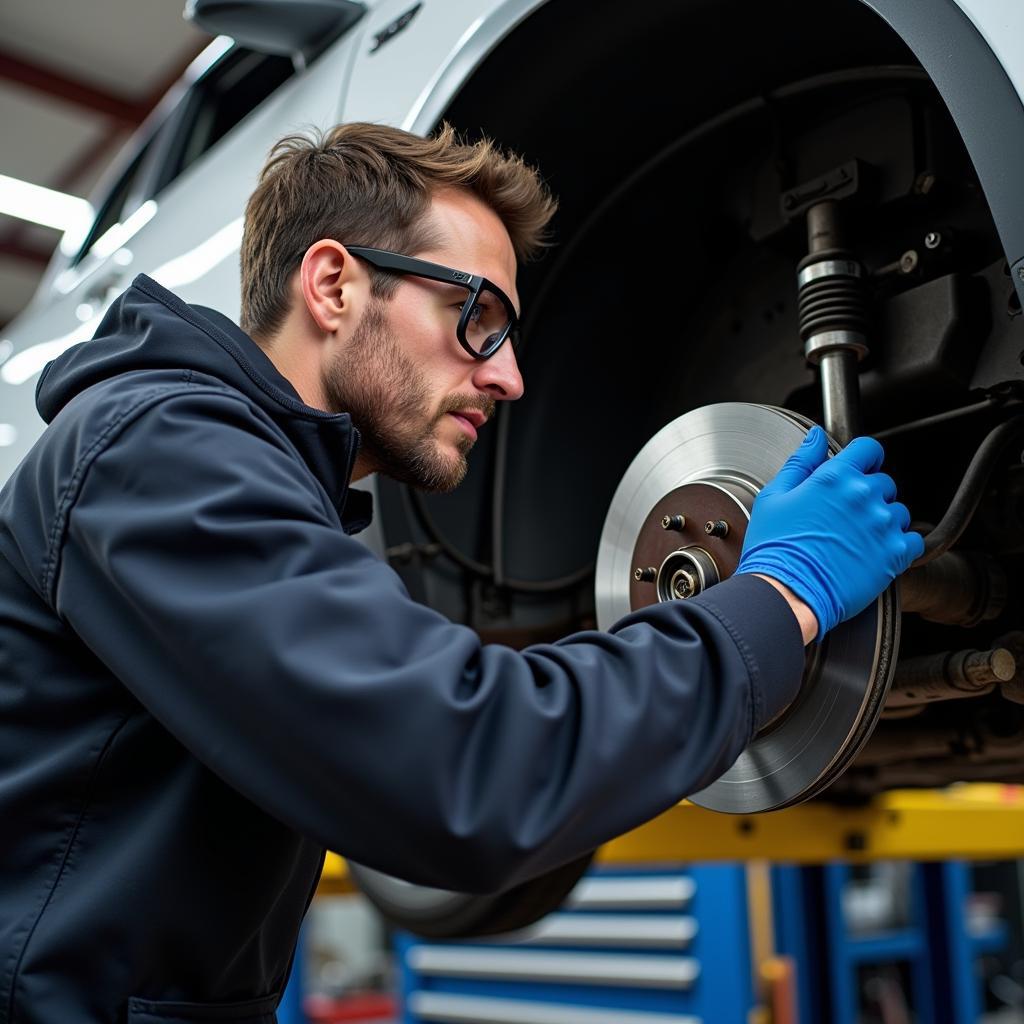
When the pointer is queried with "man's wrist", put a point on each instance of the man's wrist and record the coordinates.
(805, 618)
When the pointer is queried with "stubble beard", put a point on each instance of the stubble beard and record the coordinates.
(388, 399)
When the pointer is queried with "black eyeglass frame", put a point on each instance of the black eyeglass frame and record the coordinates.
(396, 263)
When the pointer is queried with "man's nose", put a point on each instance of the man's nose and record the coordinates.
(499, 376)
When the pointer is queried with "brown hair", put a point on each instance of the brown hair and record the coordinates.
(370, 184)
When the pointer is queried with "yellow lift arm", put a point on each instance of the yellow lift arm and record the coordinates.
(968, 822)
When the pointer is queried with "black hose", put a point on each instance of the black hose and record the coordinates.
(942, 418)
(479, 569)
(567, 582)
(969, 494)
(426, 521)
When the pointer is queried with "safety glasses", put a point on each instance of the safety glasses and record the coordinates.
(488, 316)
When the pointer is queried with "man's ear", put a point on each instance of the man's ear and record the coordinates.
(328, 279)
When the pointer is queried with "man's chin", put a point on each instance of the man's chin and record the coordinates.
(442, 476)
(442, 467)
(436, 472)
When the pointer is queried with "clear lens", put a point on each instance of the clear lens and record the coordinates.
(488, 321)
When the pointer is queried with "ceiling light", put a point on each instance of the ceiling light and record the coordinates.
(42, 205)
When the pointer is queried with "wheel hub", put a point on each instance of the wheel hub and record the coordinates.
(675, 528)
(676, 555)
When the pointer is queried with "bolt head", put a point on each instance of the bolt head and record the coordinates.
(1004, 665)
(932, 240)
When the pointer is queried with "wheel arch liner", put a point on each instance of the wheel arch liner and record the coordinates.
(982, 101)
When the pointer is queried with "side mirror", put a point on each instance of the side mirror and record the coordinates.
(287, 28)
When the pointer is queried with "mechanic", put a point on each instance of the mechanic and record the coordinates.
(206, 679)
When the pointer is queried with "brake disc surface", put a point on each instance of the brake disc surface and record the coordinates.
(707, 466)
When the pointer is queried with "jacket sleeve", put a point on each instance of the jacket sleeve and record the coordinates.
(202, 563)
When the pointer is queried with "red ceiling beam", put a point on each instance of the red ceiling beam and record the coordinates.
(13, 244)
(85, 160)
(93, 152)
(27, 253)
(71, 90)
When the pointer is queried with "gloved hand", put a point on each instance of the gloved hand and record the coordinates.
(830, 530)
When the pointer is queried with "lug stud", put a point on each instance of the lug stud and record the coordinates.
(648, 575)
(716, 528)
(673, 522)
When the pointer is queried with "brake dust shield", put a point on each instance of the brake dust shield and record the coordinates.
(664, 539)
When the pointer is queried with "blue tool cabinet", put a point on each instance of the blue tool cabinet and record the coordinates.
(667, 946)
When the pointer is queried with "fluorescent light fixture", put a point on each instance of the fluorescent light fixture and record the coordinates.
(8, 434)
(42, 205)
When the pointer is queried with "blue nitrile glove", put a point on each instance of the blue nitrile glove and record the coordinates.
(830, 530)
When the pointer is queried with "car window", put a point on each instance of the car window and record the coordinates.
(217, 102)
(232, 88)
(112, 208)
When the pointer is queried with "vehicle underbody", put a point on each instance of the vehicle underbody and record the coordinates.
(691, 152)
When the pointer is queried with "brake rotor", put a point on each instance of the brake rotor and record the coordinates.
(675, 527)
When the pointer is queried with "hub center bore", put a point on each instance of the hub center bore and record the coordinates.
(684, 585)
(686, 573)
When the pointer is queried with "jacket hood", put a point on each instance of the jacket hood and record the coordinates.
(150, 328)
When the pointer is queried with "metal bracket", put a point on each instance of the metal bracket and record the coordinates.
(839, 183)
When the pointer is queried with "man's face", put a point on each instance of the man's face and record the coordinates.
(415, 394)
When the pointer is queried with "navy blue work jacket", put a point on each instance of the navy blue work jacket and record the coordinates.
(205, 680)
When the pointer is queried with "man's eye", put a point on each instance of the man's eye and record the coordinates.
(476, 312)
